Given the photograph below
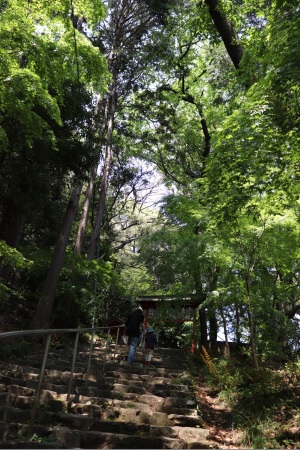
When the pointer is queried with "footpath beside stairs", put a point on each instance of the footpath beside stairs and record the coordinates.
(117, 407)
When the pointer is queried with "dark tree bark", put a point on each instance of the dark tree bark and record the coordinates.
(226, 31)
(105, 175)
(227, 348)
(44, 309)
(84, 215)
(203, 328)
(213, 334)
(238, 327)
(90, 188)
(202, 312)
(213, 323)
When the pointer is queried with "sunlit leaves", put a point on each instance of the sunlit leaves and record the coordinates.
(38, 54)
(24, 92)
(13, 257)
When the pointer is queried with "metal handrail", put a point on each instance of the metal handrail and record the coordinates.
(49, 332)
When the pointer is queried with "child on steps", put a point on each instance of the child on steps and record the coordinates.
(150, 344)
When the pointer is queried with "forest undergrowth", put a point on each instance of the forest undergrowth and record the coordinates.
(245, 407)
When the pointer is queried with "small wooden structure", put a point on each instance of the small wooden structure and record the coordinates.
(179, 309)
(115, 322)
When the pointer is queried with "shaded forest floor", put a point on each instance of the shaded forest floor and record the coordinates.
(257, 416)
(218, 419)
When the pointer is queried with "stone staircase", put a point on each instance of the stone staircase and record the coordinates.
(117, 407)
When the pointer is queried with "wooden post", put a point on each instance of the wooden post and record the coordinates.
(147, 315)
(194, 332)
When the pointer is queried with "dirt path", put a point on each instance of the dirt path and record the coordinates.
(218, 418)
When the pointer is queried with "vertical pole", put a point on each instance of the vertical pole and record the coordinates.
(147, 315)
(39, 387)
(116, 343)
(90, 357)
(106, 345)
(194, 332)
(73, 365)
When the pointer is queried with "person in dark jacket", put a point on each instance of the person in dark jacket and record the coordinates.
(150, 344)
(134, 328)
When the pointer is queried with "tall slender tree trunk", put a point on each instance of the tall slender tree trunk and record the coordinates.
(84, 215)
(90, 188)
(226, 31)
(203, 327)
(213, 334)
(202, 311)
(213, 323)
(71, 306)
(251, 326)
(105, 175)
(238, 327)
(227, 349)
(44, 309)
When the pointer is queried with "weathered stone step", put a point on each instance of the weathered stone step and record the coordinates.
(30, 445)
(118, 369)
(94, 439)
(24, 396)
(116, 407)
(87, 423)
(121, 416)
(126, 382)
(98, 439)
(144, 402)
(115, 435)
(80, 370)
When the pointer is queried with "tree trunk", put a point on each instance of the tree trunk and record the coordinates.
(105, 175)
(238, 326)
(252, 338)
(251, 326)
(44, 308)
(84, 215)
(227, 349)
(68, 316)
(213, 334)
(213, 323)
(203, 328)
(89, 192)
(226, 31)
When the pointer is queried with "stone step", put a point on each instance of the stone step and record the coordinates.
(111, 369)
(98, 439)
(143, 402)
(116, 407)
(62, 373)
(97, 359)
(84, 432)
(100, 388)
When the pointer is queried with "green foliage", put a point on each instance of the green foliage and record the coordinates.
(259, 399)
(17, 262)
(12, 256)
(37, 57)
(14, 348)
(86, 281)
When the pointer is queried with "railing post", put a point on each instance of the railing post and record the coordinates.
(39, 387)
(106, 345)
(73, 365)
(90, 356)
(116, 343)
